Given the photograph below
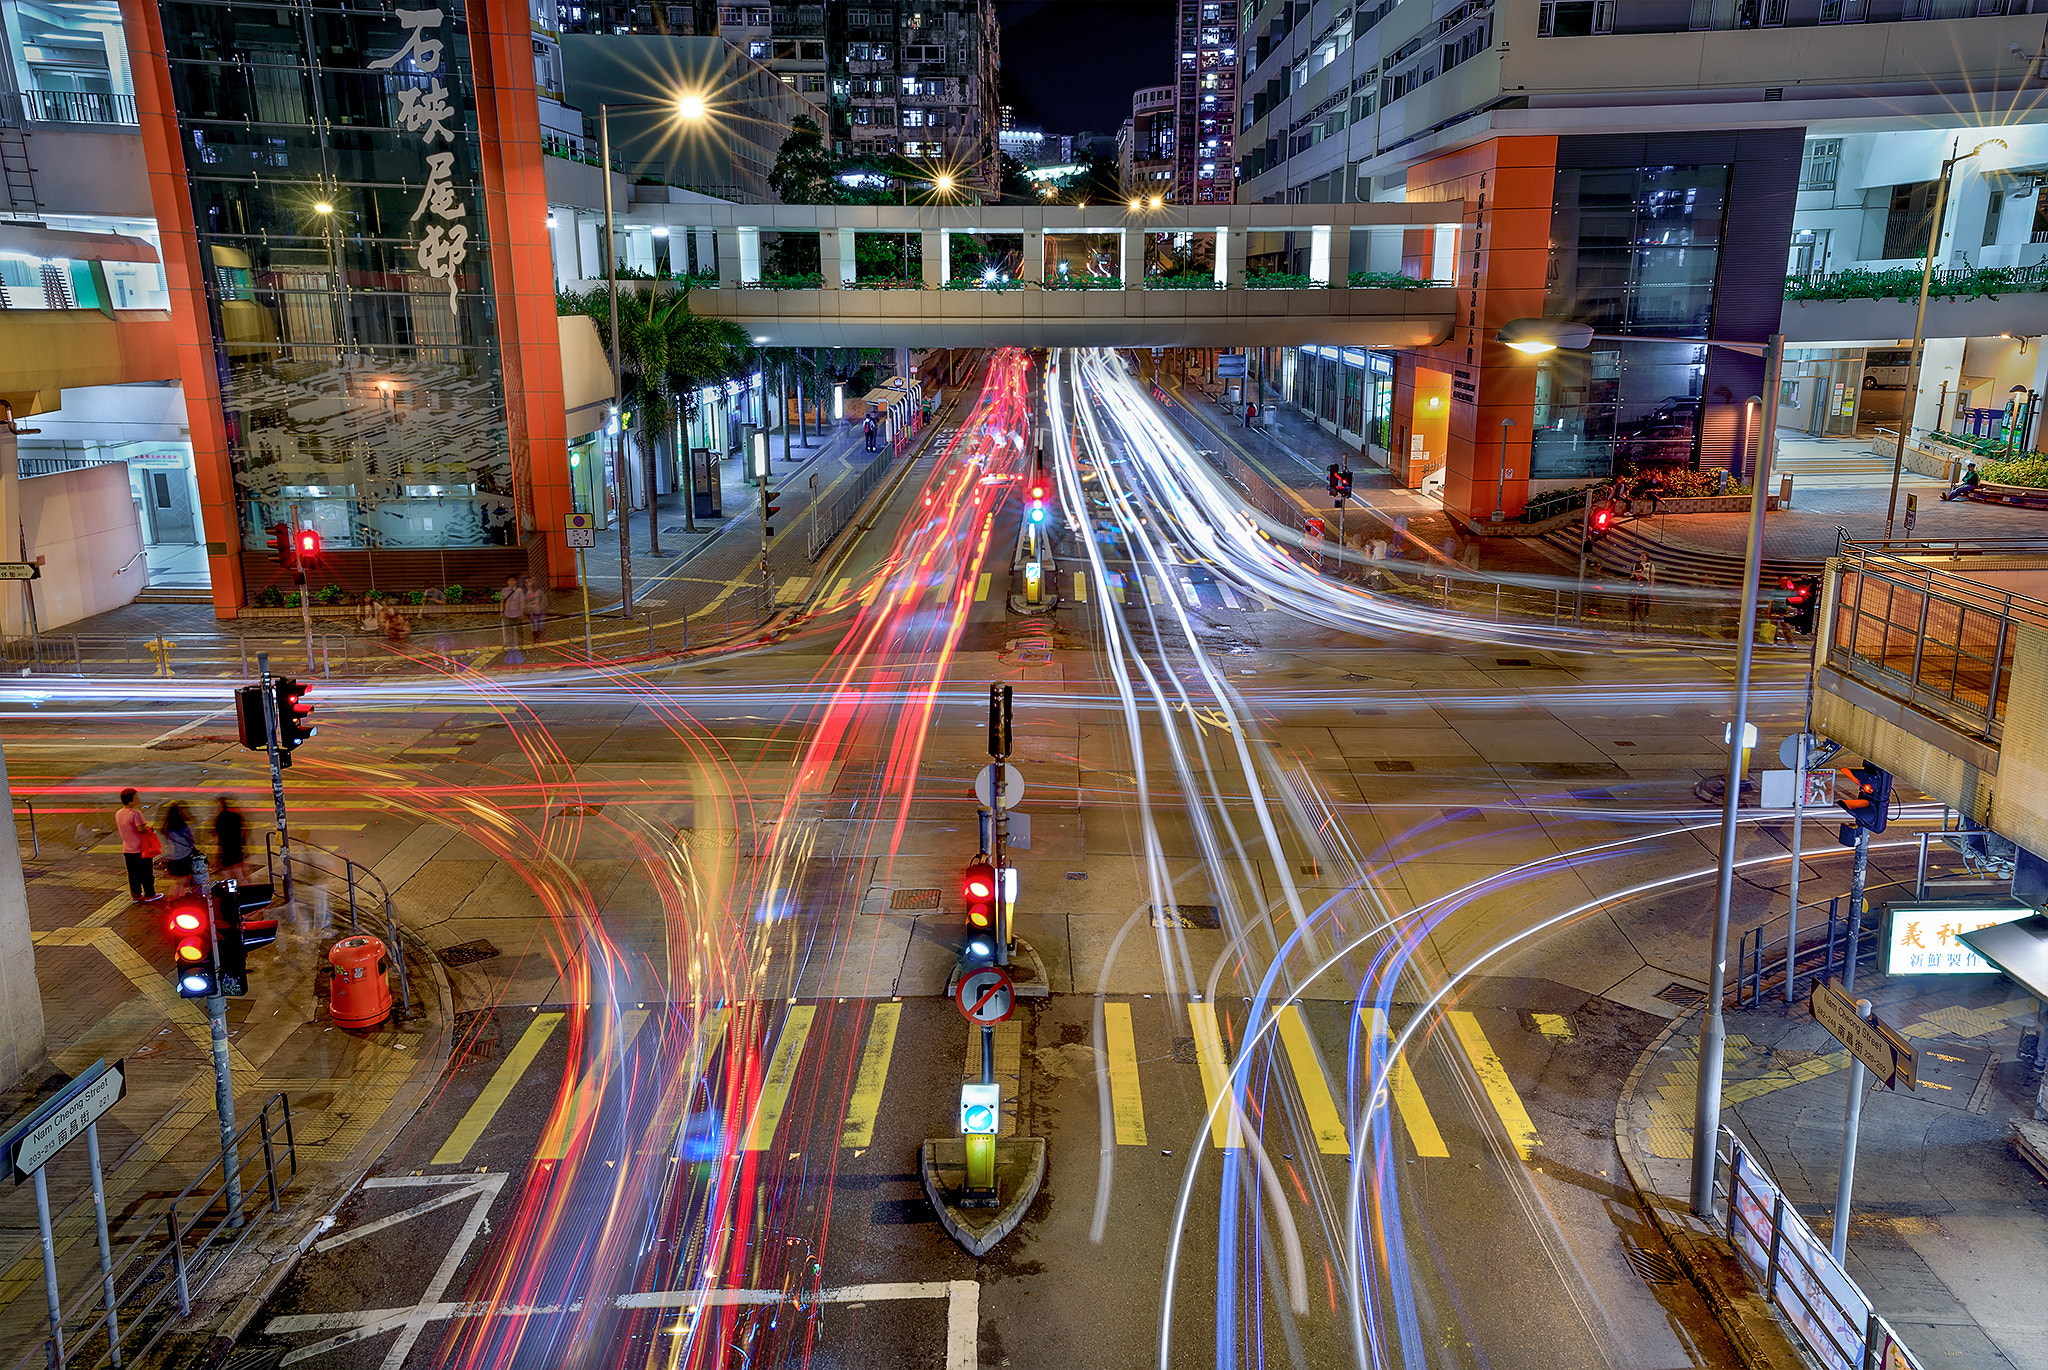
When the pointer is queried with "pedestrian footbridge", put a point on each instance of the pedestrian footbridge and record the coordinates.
(1066, 276)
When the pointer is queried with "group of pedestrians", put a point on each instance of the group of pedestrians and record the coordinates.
(522, 604)
(177, 844)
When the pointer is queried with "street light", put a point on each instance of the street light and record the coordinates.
(689, 107)
(1538, 336)
(1920, 317)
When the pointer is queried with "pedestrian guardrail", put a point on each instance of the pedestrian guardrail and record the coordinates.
(173, 1251)
(1763, 947)
(827, 521)
(362, 885)
(1816, 1296)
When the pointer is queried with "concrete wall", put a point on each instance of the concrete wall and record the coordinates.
(21, 1000)
(90, 169)
(83, 525)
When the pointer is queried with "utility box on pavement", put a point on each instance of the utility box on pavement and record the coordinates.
(361, 992)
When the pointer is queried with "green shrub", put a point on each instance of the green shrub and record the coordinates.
(455, 594)
(291, 601)
(1084, 282)
(809, 282)
(270, 597)
(2030, 470)
(1385, 280)
(1182, 280)
(329, 595)
(415, 596)
(1903, 283)
(1279, 280)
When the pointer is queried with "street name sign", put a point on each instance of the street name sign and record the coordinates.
(20, 570)
(1868, 1041)
(76, 1107)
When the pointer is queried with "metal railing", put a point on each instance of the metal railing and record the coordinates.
(1823, 1305)
(175, 1251)
(358, 881)
(1931, 638)
(827, 521)
(1759, 952)
(76, 107)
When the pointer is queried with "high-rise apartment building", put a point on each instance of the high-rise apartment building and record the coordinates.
(1145, 144)
(1207, 62)
(1654, 171)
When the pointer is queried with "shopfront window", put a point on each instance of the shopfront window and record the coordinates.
(341, 215)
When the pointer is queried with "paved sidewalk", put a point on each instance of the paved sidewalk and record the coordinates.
(1949, 1226)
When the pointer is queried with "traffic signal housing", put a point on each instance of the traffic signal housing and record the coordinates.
(307, 541)
(294, 716)
(769, 508)
(1336, 470)
(978, 885)
(1340, 484)
(1601, 522)
(281, 543)
(249, 713)
(1865, 792)
(1802, 602)
(235, 933)
(189, 920)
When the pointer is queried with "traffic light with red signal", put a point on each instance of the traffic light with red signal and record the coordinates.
(1040, 487)
(978, 885)
(1802, 602)
(294, 716)
(1602, 521)
(1866, 793)
(307, 541)
(189, 920)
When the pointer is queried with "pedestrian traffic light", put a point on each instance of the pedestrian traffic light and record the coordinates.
(1802, 602)
(190, 922)
(294, 716)
(1336, 470)
(235, 933)
(307, 540)
(249, 712)
(769, 507)
(1340, 484)
(1602, 521)
(978, 884)
(1866, 792)
(281, 542)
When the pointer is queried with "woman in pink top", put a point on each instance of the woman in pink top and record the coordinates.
(130, 823)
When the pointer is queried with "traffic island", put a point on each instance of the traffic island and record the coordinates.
(1020, 1170)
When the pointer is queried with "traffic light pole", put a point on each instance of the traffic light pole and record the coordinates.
(999, 829)
(1859, 874)
(273, 728)
(217, 1023)
(305, 604)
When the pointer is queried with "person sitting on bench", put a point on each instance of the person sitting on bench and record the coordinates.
(1969, 483)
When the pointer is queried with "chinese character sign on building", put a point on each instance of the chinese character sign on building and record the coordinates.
(1925, 939)
(424, 110)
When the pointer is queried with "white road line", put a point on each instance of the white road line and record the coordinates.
(1229, 600)
(963, 1326)
(184, 727)
(454, 1196)
(1187, 589)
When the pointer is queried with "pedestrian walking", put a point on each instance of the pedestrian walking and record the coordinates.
(1642, 598)
(869, 430)
(536, 607)
(139, 847)
(1251, 412)
(180, 842)
(231, 840)
(511, 609)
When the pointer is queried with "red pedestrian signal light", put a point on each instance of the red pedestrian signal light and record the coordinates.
(1802, 602)
(308, 543)
(1603, 519)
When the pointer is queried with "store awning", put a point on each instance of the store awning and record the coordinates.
(34, 240)
(2020, 949)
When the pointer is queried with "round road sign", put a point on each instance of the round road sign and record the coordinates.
(985, 786)
(986, 996)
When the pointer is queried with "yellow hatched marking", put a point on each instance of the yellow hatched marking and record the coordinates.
(1493, 1076)
(456, 1149)
(1120, 1046)
(867, 593)
(1315, 1086)
(1215, 1075)
(1552, 1024)
(781, 1075)
(1080, 587)
(554, 1145)
(866, 1104)
(839, 593)
(981, 586)
(1408, 1100)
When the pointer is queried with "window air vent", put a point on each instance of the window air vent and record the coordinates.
(1774, 92)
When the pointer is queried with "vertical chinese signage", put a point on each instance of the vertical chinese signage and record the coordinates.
(425, 111)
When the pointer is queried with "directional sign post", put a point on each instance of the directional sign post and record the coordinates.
(1870, 1043)
(582, 532)
(20, 570)
(28, 1147)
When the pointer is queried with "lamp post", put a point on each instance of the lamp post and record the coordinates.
(1500, 494)
(1920, 319)
(689, 107)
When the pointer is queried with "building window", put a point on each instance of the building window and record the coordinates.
(1821, 165)
(814, 85)
(1909, 220)
(1574, 18)
(758, 50)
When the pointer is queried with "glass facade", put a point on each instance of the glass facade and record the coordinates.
(1345, 389)
(1635, 251)
(332, 152)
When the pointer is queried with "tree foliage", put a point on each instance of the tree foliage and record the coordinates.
(667, 353)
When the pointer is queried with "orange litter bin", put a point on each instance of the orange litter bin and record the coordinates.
(361, 992)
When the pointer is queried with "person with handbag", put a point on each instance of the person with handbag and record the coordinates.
(180, 844)
(139, 847)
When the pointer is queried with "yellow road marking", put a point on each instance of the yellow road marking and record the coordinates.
(1080, 587)
(1120, 1046)
(456, 1149)
(867, 594)
(775, 1085)
(1315, 1086)
(839, 592)
(1215, 1074)
(866, 1104)
(981, 586)
(1408, 1100)
(1493, 1076)
(156, 999)
(1552, 1024)
(554, 1145)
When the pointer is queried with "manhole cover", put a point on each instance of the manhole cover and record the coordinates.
(1186, 916)
(1685, 996)
(467, 953)
(1077, 875)
(1369, 713)
(1590, 794)
(1184, 1051)
(1654, 1266)
(914, 899)
(1394, 767)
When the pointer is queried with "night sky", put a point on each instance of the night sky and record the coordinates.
(1071, 65)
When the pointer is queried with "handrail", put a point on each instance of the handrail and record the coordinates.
(37, 841)
(140, 552)
(349, 868)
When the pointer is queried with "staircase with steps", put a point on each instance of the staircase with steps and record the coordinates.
(1617, 553)
(175, 594)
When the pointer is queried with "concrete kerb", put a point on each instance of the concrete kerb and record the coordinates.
(1753, 1327)
(313, 1212)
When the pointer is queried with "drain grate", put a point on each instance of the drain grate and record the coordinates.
(1685, 996)
(1394, 767)
(1654, 1266)
(1186, 916)
(1077, 875)
(1184, 1052)
(914, 899)
(1370, 713)
(1512, 661)
(1586, 795)
(467, 953)
(579, 811)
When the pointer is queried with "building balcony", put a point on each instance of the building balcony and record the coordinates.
(74, 107)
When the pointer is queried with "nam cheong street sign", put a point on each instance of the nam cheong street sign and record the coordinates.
(1890, 1058)
(77, 1107)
